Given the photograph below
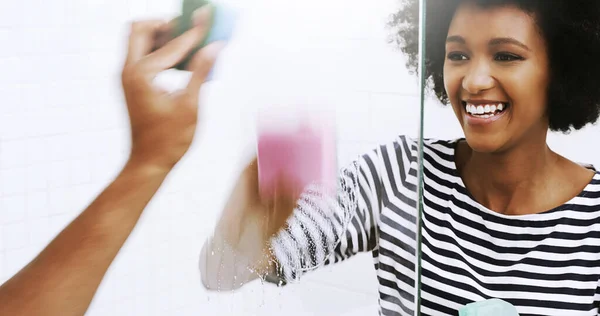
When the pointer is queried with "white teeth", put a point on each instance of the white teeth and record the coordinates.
(487, 110)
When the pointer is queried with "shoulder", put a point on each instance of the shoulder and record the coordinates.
(409, 144)
(404, 145)
(401, 153)
(588, 166)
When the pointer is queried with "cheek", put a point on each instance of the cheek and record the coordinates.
(528, 91)
(452, 84)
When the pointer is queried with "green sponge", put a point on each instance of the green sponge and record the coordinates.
(184, 22)
(221, 24)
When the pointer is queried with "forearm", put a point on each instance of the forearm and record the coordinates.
(64, 277)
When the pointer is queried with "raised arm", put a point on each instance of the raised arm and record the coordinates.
(64, 277)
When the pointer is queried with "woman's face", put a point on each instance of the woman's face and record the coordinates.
(496, 77)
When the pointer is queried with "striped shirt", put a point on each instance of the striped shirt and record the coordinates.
(544, 264)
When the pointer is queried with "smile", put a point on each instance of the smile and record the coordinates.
(481, 113)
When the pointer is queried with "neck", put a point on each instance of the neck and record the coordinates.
(510, 176)
(508, 170)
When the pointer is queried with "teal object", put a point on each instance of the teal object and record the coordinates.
(491, 307)
(221, 25)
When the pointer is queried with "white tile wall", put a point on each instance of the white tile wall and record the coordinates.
(14, 206)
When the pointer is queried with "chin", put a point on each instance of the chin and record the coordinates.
(482, 143)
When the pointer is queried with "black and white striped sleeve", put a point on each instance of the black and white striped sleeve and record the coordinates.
(329, 228)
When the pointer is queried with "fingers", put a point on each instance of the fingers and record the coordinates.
(202, 64)
(141, 39)
(178, 48)
(164, 33)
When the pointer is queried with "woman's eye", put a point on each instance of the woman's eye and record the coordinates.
(507, 57)
(455, 56)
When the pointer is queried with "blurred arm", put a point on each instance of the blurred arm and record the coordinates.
(64, 277)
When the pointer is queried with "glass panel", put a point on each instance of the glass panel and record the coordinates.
(422, 93)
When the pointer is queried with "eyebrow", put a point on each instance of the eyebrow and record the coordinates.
(493, 42)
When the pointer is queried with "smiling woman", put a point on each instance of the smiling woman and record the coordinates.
(504, 63)
(504, 216)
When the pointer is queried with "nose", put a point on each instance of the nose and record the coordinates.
(478, 78)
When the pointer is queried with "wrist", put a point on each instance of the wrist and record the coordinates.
(149, 164)
(146, 167)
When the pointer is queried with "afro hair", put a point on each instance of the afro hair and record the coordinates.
(571, 29)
